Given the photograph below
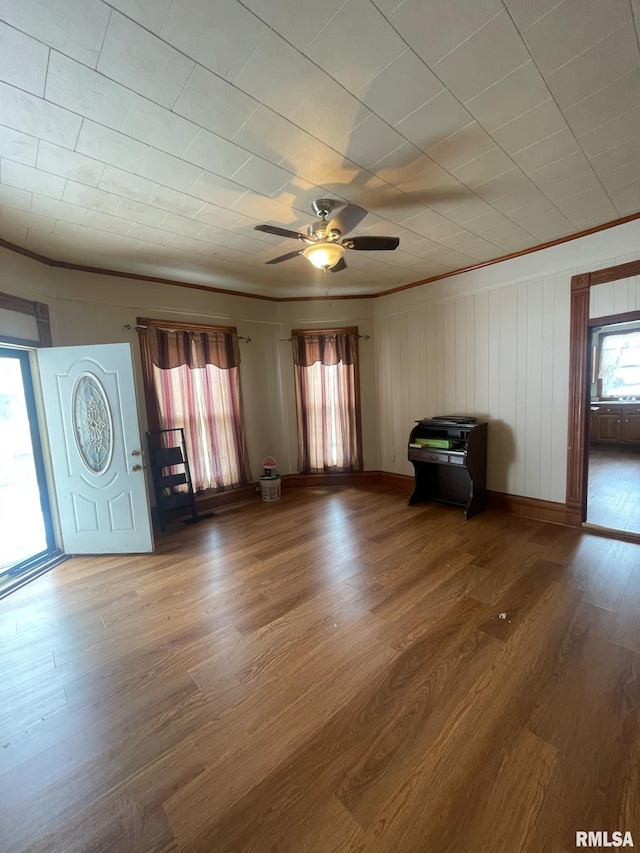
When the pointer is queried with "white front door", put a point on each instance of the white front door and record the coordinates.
(92, 421)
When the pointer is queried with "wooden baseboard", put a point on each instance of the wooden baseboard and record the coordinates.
(541, 510)
(401, 482)
(355, 478)
(206, 502)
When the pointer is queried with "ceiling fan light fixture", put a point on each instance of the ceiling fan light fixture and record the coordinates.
(324, 255)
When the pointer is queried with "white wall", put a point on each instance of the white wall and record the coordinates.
(493, 343)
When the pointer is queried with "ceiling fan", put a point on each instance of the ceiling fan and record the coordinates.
(325, 250)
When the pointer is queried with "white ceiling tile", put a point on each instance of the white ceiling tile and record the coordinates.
(568, 30)
(185, 244)
(461, 147)
(24, 112)
(509, 191)
(18, 146)
(69, 164)
(57, 209)
(560, 169)
(105, 222)
(603, 106)
(488, 165)
(400, 88)
(370, 141)
(295, 28)
(15, 198)
(604, 63)
(517, 93)
(148, 233)
(23, 60)
(534, 125)
(249, 245)
(169, 171)
(329, 112)
(575, 204)
(127, 185)
(625, 198)
(141, 61)
(468, 211)
(555, 147)
(527, 12)
(440, 117)
(177, 202)
(158, 127)
(312, 160)
(218, 236)
(112, 147)
(76, 27)
(134, 211)
(476, 64)
(340, 49)
(150, 13)
(182, 225)
(216, 154)
(30, 179)
(214, 103)
(263, 177)
(269, 135)
(86, 92)
(612, 134)
(452, 20)
(580, 183)
(273, 60)
(264, 209)
(33, 220)
(216, 189)
(627, 174)
(90, 197)
(221, 35)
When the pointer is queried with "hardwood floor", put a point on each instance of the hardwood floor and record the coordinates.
(325, 674)
(614, 486)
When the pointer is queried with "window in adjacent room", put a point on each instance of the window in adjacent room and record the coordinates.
(619, 368)
(327, 400)
(192, 380)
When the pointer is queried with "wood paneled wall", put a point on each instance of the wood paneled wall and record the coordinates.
(500, 354)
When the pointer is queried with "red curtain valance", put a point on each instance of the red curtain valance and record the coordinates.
(331, 347)
(169, 348)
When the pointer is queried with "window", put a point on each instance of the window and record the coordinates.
(192, 380)
(619, 367)
(327, 400)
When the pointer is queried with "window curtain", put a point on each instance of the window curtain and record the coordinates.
(327, 400)
(193, 379)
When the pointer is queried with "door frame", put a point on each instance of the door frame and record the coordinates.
(580, 379)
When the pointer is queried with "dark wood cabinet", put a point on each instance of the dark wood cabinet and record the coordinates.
(615, 423)
(454, 472)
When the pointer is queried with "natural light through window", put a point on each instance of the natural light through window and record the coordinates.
(620, 365)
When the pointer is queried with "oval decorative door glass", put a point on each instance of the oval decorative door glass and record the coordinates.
(92, 424)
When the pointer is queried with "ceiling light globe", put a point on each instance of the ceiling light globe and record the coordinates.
(324, 255)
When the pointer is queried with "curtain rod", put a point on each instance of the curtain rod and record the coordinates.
(366, 337)
(164, 329)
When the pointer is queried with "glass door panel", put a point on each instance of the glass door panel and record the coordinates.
(25, 521)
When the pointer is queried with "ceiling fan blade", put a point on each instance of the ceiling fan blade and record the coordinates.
(368, 244)
(341, 265)
(281, 232)
(350, 216)
(286, 257)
